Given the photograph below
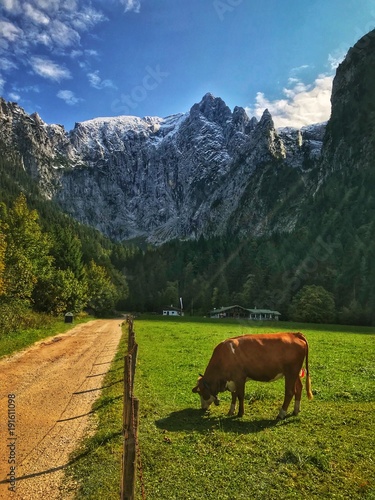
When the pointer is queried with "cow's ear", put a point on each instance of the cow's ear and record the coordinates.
(196, 389)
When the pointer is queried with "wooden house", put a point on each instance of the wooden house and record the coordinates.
(242, 312)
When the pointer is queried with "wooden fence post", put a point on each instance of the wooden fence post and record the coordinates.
(130, 455)
(130, 420)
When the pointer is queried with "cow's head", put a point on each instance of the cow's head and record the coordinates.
(205, 392)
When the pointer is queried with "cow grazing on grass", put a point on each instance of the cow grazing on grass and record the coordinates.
(264, 358)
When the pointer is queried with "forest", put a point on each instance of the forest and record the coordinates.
(323, 271)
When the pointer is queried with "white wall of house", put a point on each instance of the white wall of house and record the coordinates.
(171, 313)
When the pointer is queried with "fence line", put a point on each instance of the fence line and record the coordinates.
(131, 459)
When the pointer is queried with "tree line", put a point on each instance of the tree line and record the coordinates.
(51, 271)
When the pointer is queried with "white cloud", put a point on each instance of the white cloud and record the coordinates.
(87, 18)
(27, 88)
(131, 5)
(13, 6)
(15, 97)
(29, 25)
(303, 104)
(36, 15)
(54, 23)
(2, 83)
(55, 6)
(48, 69)
(91, 53)
(76, 54)
(43, 38)
(299, 69)
(336, 58)
(69, 97)
(6, 64)
(63, 35)
(98, 83)
(10, 31)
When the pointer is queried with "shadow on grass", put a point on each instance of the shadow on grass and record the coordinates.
(191, 419)
(94, 443)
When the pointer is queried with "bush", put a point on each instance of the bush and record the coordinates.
(17, 315)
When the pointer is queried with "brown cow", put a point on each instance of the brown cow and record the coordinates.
(264, 358)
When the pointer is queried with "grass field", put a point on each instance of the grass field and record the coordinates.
(326, 452)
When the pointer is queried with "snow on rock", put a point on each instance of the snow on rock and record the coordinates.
(175, 177)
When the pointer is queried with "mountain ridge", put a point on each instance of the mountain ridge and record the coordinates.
(152, 177)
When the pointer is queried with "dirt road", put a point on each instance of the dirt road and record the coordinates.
(46, 395)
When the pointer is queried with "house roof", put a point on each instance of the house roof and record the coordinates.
(252, 311)
(264, 311)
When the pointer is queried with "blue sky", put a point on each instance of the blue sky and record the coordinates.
(73, 60)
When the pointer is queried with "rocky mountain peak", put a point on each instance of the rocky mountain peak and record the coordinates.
(242, 122)
(266, 121)
(213, 109)
(350, 134)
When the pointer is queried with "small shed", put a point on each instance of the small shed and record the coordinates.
(69, 316)
(172, 311)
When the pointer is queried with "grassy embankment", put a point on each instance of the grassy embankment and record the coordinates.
(43, 326)
(325, 452)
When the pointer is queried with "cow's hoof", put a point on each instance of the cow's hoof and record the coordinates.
(281, 415)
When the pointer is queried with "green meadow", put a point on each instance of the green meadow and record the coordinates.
(327, 451)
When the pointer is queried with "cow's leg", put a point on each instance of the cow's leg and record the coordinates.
(297, 395)
(233, 404)
(289, 393)
(241, 397)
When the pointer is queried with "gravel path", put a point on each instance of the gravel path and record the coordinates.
(46, 395)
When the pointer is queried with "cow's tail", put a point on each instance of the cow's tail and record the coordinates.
(308, 380)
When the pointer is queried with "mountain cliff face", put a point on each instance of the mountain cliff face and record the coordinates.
(205, 172)
(178, 177)
(350, 137)
(161, 178)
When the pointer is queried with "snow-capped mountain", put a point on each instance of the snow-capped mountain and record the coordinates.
(160, 178)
